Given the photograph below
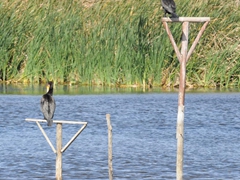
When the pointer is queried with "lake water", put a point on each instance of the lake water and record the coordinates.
(144, 136)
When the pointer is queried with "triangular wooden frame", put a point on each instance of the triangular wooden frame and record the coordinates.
(183, 57)
(59, 150)
(69, 142)
(185, 19)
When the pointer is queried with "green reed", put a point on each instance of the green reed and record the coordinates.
(115, 43)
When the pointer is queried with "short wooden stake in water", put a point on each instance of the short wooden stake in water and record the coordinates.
(59, 148)
(110, 167)
(183, 57)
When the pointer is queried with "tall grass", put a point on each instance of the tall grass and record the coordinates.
(115, 43)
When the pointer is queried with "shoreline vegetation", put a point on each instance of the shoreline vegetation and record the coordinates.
(116, 43)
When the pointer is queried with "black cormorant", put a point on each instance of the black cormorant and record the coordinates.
(48, 104)
(169, 8)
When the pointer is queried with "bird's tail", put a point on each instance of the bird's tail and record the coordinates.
(174, 15)
(49, 122)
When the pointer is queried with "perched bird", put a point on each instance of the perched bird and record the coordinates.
(169, 8)
(48, 104)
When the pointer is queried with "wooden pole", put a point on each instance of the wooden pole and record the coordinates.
(181, 99)
(183, 57)
(59, 153)
(73, 138)
(46, 137)
(172, 40)
(197, 39)
(110, 167)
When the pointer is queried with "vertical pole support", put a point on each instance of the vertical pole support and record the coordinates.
(110, 167)
(181, 99)
(59, 153)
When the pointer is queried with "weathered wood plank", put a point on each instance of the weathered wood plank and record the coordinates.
(56, 121)
(186, 19)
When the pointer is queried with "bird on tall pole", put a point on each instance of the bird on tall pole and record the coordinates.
(169, 7)
(48, 104)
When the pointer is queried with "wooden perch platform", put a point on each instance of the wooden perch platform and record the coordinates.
(56, 121)
(59, 150)
(186, 19)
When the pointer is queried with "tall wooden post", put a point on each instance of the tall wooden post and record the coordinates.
(181, 99)
(110, 167)
(183, 57)
(59, 153)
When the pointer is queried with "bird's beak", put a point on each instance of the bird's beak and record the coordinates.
(48, 86)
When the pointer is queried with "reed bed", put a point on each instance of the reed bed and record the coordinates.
(115, 43)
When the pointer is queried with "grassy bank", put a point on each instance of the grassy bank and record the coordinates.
(117, 43)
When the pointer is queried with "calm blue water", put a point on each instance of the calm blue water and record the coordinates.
(144, 143)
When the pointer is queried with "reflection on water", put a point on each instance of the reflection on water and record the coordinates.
(36, 89)
(144, 144)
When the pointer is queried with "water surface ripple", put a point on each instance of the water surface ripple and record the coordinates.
(144, 139)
